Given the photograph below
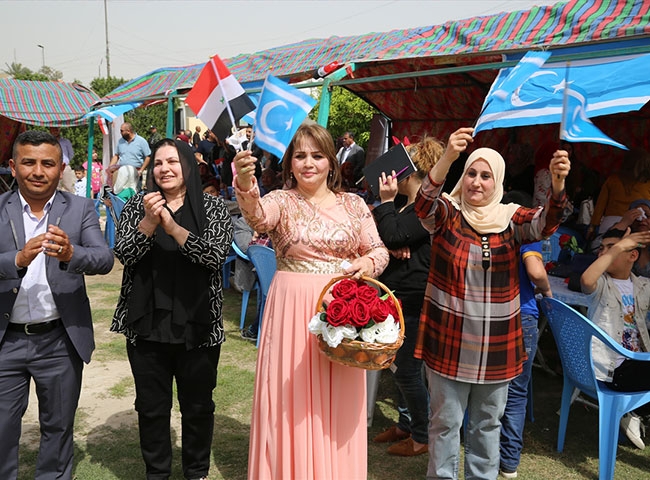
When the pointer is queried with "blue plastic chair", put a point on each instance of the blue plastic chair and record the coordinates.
(246, 293)
(573, 334)
(263, 259)
(228, 265)
(113, 213)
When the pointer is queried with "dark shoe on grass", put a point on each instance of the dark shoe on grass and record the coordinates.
(406, 448)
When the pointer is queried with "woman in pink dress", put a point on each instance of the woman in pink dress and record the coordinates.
(309, 414)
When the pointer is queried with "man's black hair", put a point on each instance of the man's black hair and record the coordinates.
(613, 233)
(36, 138)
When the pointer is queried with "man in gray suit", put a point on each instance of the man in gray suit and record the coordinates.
(352, 153)
(48, 240)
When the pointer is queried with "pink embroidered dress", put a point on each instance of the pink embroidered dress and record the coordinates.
(309, 414)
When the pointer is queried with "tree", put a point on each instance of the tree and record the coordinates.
(105, 85)
(50, 74)
(349, 113)
(18, 72)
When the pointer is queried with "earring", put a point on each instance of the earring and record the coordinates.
(329, 175)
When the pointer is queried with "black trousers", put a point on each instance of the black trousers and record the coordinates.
(155, 366)
(631, 376)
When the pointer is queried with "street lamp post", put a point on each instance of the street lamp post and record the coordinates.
(42, 53)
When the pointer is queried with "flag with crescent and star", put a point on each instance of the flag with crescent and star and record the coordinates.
(576, 127)
(281, 110)
(612, 85)
(218, 99)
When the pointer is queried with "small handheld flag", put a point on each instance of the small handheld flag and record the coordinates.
(281, 110)
(576, 126)
(218, 99)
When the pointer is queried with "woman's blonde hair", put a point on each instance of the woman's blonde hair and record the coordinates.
(425, 154)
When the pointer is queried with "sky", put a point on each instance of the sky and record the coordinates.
(70, 36)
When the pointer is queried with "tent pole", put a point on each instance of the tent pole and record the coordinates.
(170, 115)
(325, 101)
(89, 164)
(326, 92)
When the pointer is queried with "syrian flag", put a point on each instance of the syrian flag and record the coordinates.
(218, 99)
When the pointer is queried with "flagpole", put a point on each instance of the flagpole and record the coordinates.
(223, 93)
(565, 102)
(565, 99)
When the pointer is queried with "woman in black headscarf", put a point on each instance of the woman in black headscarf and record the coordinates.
(173, 241)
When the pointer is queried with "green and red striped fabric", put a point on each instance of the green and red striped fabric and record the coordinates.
(562, 24)
(155, 84)
(54, 104)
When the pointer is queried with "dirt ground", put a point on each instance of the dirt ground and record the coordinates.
(96, 406)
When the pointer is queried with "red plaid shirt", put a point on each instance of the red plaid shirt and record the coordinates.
(470, 328)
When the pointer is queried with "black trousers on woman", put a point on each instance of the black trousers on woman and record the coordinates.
(154, 366)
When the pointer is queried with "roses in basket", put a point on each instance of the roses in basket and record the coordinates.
(356, 312)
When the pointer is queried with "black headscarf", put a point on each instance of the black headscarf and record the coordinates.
(191, 175)
(170, 297)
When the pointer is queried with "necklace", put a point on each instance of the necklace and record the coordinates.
(312, 202)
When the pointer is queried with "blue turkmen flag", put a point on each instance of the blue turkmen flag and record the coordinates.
(576, 127)
(613, 85)
(281, 110)
(517, 76)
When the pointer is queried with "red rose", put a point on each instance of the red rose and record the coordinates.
(381, 310)
(564, 240)
(345, 289)
(359, 313)
(338, 312)
(367, 294)
(393, 308)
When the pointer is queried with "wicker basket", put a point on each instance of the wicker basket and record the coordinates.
(356, 353)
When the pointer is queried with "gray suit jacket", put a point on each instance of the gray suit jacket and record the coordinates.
(91, 256)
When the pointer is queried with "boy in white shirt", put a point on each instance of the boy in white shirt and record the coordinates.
(80, 184)
(620, 304)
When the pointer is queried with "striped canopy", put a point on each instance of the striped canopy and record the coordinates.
(51, 104)
(461, 59)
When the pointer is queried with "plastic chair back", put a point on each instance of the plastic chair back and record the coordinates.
(263, 259)
(113, 212)
(574, 334)
(239, 252)
(245, 293)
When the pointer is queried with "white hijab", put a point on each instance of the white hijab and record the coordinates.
(494, 217)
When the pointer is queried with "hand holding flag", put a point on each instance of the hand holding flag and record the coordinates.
(281, 110)
(218, 99)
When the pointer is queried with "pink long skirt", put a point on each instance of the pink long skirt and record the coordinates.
(309, 414)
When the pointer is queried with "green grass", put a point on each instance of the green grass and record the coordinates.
(122, 388)
(105, 452)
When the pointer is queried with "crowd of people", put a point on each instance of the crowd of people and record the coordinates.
(461, 254)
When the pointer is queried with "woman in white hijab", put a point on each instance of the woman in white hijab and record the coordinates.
(470, 335)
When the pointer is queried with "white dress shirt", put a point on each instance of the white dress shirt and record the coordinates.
(35, 302)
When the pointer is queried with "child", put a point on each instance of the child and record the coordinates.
(96, 175)
(620, 303)
(80, 184)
